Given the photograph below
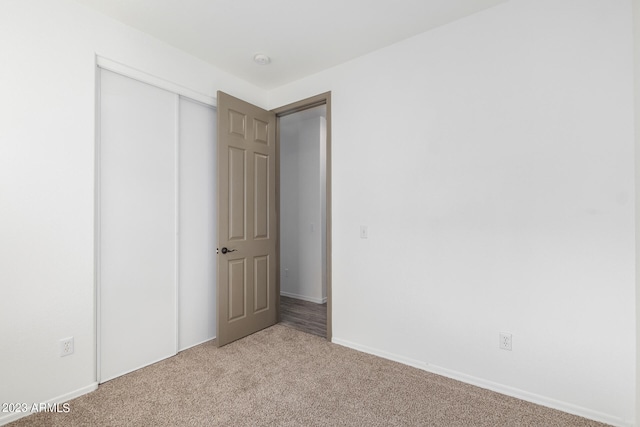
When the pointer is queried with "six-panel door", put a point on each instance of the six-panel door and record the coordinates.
(247, 299)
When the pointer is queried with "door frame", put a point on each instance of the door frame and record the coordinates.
(285, 110)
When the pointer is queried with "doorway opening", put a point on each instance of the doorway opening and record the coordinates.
(250, 253)
(304, 247)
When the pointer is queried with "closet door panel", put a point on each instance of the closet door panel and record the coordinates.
(197, 297)
(137, 225)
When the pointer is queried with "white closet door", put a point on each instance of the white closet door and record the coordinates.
(137, 227)
(197, 289)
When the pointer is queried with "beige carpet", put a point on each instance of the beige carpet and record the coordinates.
(283, 377)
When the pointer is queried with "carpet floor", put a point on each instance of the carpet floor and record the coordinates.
(284, 377)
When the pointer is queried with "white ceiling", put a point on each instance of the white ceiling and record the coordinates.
(302, 37)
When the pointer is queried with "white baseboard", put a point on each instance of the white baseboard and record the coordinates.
(304, 297)
(489, 385)
(8, 418)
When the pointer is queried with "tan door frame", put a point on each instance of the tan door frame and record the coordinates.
(305, 104)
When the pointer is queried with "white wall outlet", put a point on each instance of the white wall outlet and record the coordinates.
(66, 346)
(505, 341)
(286, 272)
(364, 232)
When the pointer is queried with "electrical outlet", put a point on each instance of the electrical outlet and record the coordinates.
(66, 346)
(364, 232)
(505, 341)
(286, 272)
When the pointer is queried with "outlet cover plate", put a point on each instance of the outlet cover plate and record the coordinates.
(506, 341)
(66, 346)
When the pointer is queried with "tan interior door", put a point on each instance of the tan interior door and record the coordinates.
(247, 219)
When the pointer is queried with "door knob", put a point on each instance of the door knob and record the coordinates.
(225, 250)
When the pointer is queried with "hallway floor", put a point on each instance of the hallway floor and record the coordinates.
(304, 315)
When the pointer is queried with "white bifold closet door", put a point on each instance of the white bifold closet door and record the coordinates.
(156, 289)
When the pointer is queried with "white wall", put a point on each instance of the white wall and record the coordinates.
(492, 160)
(302, 224)
(47, 111)
(289, 212)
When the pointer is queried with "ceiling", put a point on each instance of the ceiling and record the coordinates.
(302, 37)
